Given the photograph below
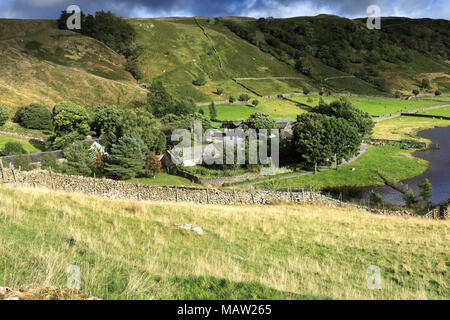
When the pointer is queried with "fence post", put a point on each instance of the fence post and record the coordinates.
(253, 197)
(176, 194)
(95, 184)
(207, 195)
(14, 173)
(3, 173)
(51, 177)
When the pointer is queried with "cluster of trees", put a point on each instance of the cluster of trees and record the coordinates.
(330, 134)
(160, 102)
(337, 42)
(4, 114)
(34, 116)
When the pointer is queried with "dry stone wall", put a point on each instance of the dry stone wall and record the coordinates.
(114, 189)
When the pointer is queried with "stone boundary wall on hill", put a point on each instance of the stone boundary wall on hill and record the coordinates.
(114, 189)
(24, 137)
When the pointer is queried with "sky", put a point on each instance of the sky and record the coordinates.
(50, 9)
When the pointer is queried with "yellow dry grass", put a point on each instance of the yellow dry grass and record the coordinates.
(122, 246)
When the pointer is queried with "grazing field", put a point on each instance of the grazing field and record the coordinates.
(438, 98)
(276, 108)
(444, 112)
(373, 106)
(393, 161)
(134, 250)
(16, 128)
(28, 146)
(164, 179)
(406, 127)
(274, 87)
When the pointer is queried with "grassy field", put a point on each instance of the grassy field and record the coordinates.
(269, 87)
(373, 106)
(29, 147)
(276, 108)
(133, 250)
(406, 127)
(164, 179)
(393, 161)
(39, 63)
(445, 112)
(16, 128)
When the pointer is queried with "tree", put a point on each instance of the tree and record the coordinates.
(244, 97)
(255, 103)
(437, 92)
(415, 92)
(260, 120)
(343, 139)
(200, 81)
(34, 116)
(4, 114)
(376, 199)
(310, 139)
(426, 188)
(71, 123)
(159, 100)
(68, 117)
(80, 158)
(425, 83)
(126, 159)
(410, 197)
(212, 111)
(106, 120)
(219, 91)
(13, 148)
(343, 108)
(49, 161)
(231, 99)
(145, 126)
(152, 165)
(183, 107)
(201, 111)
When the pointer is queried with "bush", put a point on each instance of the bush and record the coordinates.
(437, 93)
(13, 148)
(415, 92)
(80, 159)
(34, 116)
(200, 81)
(4, 114)
(255, 103)
(306, 90)
(219, 91)
(23, 162)
(231, 99)
(410, 197)
(376, 199)
(244, 97)
(49, 161)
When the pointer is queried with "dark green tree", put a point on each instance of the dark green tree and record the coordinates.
(200, 81)
(34, 116)
(13, 148)
(410, 197)
(159, 100)
(212, 111)
(343, 108)
(426, 188)
(219, 91)
(127, 157)
(415, 92)
(437, 93)
(311, 140)
(80, 158)
(255, 103)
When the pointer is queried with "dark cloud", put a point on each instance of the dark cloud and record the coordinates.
(254, 8)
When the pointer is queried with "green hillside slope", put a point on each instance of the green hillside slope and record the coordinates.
(39, 63)
(177, 51)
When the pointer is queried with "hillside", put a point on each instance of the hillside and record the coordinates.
(176, 51)
(39, 63)
(345, 55)
(134, 250)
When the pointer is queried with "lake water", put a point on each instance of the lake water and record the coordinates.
(438, 171)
